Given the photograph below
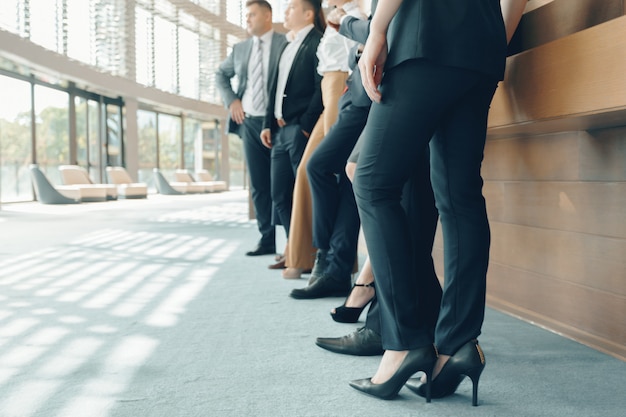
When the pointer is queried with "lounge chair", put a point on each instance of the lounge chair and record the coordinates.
(183, 175)
(76, 175)
(126, 188)
(166, 187)
(205, 176)
(46, 193)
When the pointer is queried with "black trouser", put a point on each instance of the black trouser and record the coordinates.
(288, 145)
(258, 161)
(335, 215)
(422, 100)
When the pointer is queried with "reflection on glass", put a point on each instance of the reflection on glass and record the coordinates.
(114, 135)
(147, 144)
(9, 16)
(188, 46)
(82, 150)
(52, 131)
(93, 129)
(165, 55)
(192, 139)
(144, 69)
(15, 141)
(78, 30)
(169, 144)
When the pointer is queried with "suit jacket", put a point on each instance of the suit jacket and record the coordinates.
(357, 30)
(236, 64)
(456, 33)
(302, 102)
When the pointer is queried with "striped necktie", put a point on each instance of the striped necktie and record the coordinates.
(258, 94)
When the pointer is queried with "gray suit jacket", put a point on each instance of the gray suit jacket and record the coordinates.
(236, 64)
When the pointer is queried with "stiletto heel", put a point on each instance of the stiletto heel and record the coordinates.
(422, 359)
(474, 376)
(345, 314)
(468, 361)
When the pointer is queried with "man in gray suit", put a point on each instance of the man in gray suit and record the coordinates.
(247, 107)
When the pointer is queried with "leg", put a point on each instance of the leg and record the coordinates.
(456, 155)
(417, 96)
(326, 173)
(258, 160)
(283, 179)
(301, 253)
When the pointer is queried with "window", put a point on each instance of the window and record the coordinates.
(169, 144)
(147, 143)
(15, 141)
(52, 131)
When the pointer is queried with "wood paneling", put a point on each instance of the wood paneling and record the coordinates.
(578, 79)
(595, 262)
(584, 207)
(544, 157)
(546, 21)
(590, 316)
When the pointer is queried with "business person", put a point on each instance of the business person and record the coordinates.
(441, 62)
(334, 68)
(254, 62)
(335, 217)
(295, 102)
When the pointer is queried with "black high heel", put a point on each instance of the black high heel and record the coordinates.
(345, 314)
(469, 361)
(422, 359)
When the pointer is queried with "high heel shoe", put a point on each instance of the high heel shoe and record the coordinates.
(469, 361)
(422, 359)
(345, 314)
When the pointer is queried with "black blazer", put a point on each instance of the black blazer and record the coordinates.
(302, 103)
(457, 33)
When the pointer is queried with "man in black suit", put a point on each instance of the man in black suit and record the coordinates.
(295, 102)
(335, 217)
(247, 110)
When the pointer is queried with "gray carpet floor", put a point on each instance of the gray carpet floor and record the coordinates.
(150, 308)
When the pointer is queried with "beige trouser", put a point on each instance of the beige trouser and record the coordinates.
(300, 252)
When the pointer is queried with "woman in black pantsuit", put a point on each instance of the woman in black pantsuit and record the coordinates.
(441, 69)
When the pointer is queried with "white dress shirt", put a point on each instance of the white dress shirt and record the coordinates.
(333, 49)
(284, 68)
(246, 100)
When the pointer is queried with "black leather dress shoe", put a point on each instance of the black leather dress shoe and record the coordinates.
(261, 250)
(362, 342)
(324, 286)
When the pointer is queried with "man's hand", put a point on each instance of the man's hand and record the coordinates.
(334, 18)
(266, 138)
(236, 111)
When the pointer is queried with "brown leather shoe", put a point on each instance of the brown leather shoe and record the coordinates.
(278, 265)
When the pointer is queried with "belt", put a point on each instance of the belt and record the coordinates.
(254, 117)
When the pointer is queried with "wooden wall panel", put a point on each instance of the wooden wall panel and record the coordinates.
(544, 157)
(595, 262)
(594, 208)
(593, 317)
(571, 78)
(559, 18)
(603, 154)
